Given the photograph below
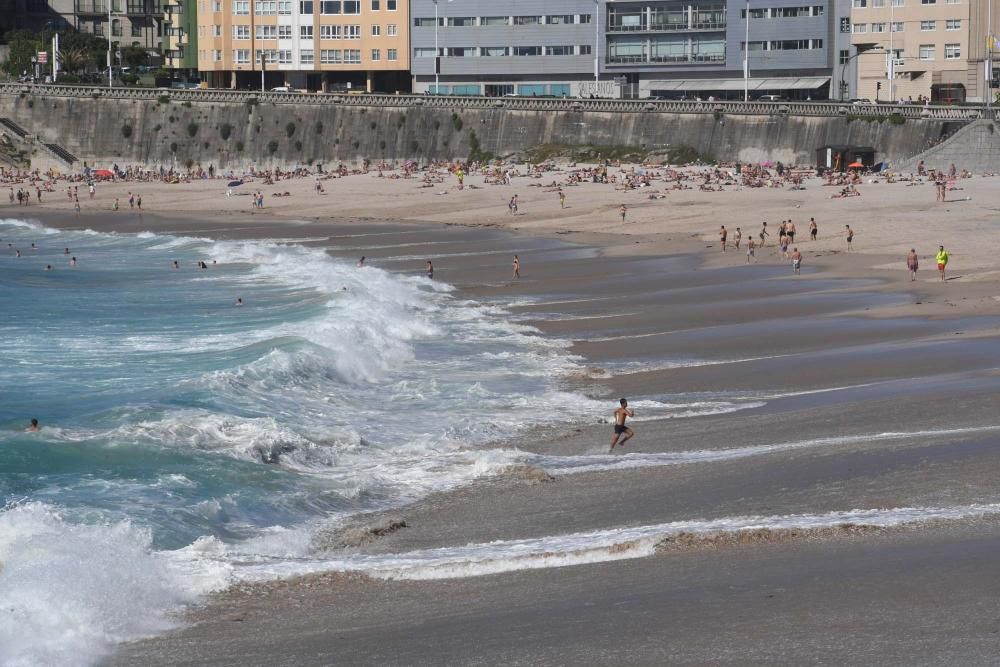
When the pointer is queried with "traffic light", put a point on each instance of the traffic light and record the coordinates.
(878, 85)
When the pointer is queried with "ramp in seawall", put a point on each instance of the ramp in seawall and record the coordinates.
(975, 147)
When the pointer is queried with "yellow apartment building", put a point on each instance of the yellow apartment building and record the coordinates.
(922, 49)
(324, 45)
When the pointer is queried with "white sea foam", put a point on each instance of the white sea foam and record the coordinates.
(71, 590)
(593, 547)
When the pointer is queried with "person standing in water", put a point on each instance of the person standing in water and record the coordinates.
(430, 270)
(621, 414)
(33, 426)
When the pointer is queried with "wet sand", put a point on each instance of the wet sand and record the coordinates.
(841, 352)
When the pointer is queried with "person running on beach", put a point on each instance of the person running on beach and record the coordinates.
(763, 234)
(430, 270)
(850, 238)
(33, 426)
(722, 238)
(813, 230)
(623, 210)
(517, 267)
(912, 263)
(737, 237)
(796, 261)
(942, 260)
(621, 414)
(750, 250)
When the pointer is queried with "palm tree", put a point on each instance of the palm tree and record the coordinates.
(72, 61)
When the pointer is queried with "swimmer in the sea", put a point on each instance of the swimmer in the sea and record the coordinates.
(33, 426)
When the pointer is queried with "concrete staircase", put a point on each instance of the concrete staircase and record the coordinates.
(975, 147)
(19, 135)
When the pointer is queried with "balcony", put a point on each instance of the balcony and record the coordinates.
(91, 7)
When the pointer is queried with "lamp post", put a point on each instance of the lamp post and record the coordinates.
(843, 68)
(597, 43)
(746, 58)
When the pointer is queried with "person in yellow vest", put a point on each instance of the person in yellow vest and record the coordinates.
(942, 260)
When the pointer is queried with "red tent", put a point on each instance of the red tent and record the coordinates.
(103, 173)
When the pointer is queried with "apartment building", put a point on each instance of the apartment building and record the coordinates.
(921, 49)
(632, 48)
(180, 35)
(324, 45)
(132, 22)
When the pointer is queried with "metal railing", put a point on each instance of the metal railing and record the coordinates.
(457, 102)
(668, 27)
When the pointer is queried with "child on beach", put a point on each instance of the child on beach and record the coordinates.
(750, 251)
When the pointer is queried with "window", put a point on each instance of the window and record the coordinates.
(584, 18)
(392, 54)
(460, 52)
(376, 30)
(423, 53)
(217, 56)
(305, 6)
(330, 57)
(329, 32)
(265, 7)
(928, 2)
(494, 20)
(376, 55)
(216, 31)
(583, 50)
(391, 30)
(241, 56)
(352, 32)
(926, 52)
(897, 3)
(305, 31)
(284, 32)
(241, 32)
(952, 51)
(459, 21)
(284, 6)
(953, 24)
(375, 5)
(878, 3)
(241, 7)
(270, 56)
(423, 23)
(390, 5)
(951, 2)
(329, 6)
(267, 32)
(878, 27)
(527, 50)
(306, 57)
(928, 25)
(285, 57)
(559, 50)
(352, 6)
(136, 30)
(527, 20)
(845, 56)
(493, 51)
(860, 27)
(559, 19)
(352, 56)
(897, 26)
(217, 6)
(845, 24)
(860, 4)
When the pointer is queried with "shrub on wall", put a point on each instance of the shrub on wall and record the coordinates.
(225, 131)
(126, 131)
(272, 147)
(290, 130)
(192, 129)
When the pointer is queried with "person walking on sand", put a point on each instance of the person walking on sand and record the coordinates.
(517, 267)
(942, 261)
(621, 414)
(722, 238)
(750, 250)
(737, 237)
(623, 210)
(912, 263)
(763, 234)
(850, 238)
(813, 230)
(562, 198)
(796, 261)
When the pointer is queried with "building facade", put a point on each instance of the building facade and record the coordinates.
(132, 22)
(180, 35)
(328, 45)
(923, 49)
(631, 48)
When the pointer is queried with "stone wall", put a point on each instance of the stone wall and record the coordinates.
(233, 134)
(975, 147)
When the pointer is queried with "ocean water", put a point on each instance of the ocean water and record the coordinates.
(187, 442)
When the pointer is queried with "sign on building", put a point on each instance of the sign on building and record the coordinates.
(43, 57)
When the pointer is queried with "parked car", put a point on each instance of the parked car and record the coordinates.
(860, 101)
(770, 98)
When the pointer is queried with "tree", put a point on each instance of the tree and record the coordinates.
(72, 60)
(23, 46)
(134, 56)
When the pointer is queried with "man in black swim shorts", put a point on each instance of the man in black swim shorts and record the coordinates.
(621, 414)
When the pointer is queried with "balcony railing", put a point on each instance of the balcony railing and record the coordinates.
(669, 27)
(91, 7)
(656, 59)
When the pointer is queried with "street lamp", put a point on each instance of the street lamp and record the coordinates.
(746, 58)
(843, 68)
(597, 43)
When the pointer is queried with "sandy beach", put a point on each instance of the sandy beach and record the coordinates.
(829, 499)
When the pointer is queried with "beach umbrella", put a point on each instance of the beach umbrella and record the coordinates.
(103, 173)
(233, 184)
(855, 165)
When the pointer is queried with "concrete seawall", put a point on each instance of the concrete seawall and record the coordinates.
(238, 134)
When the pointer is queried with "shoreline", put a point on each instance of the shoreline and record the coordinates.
(473, 509)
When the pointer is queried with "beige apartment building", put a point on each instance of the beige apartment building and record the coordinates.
(327, 45)
(937, 48)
